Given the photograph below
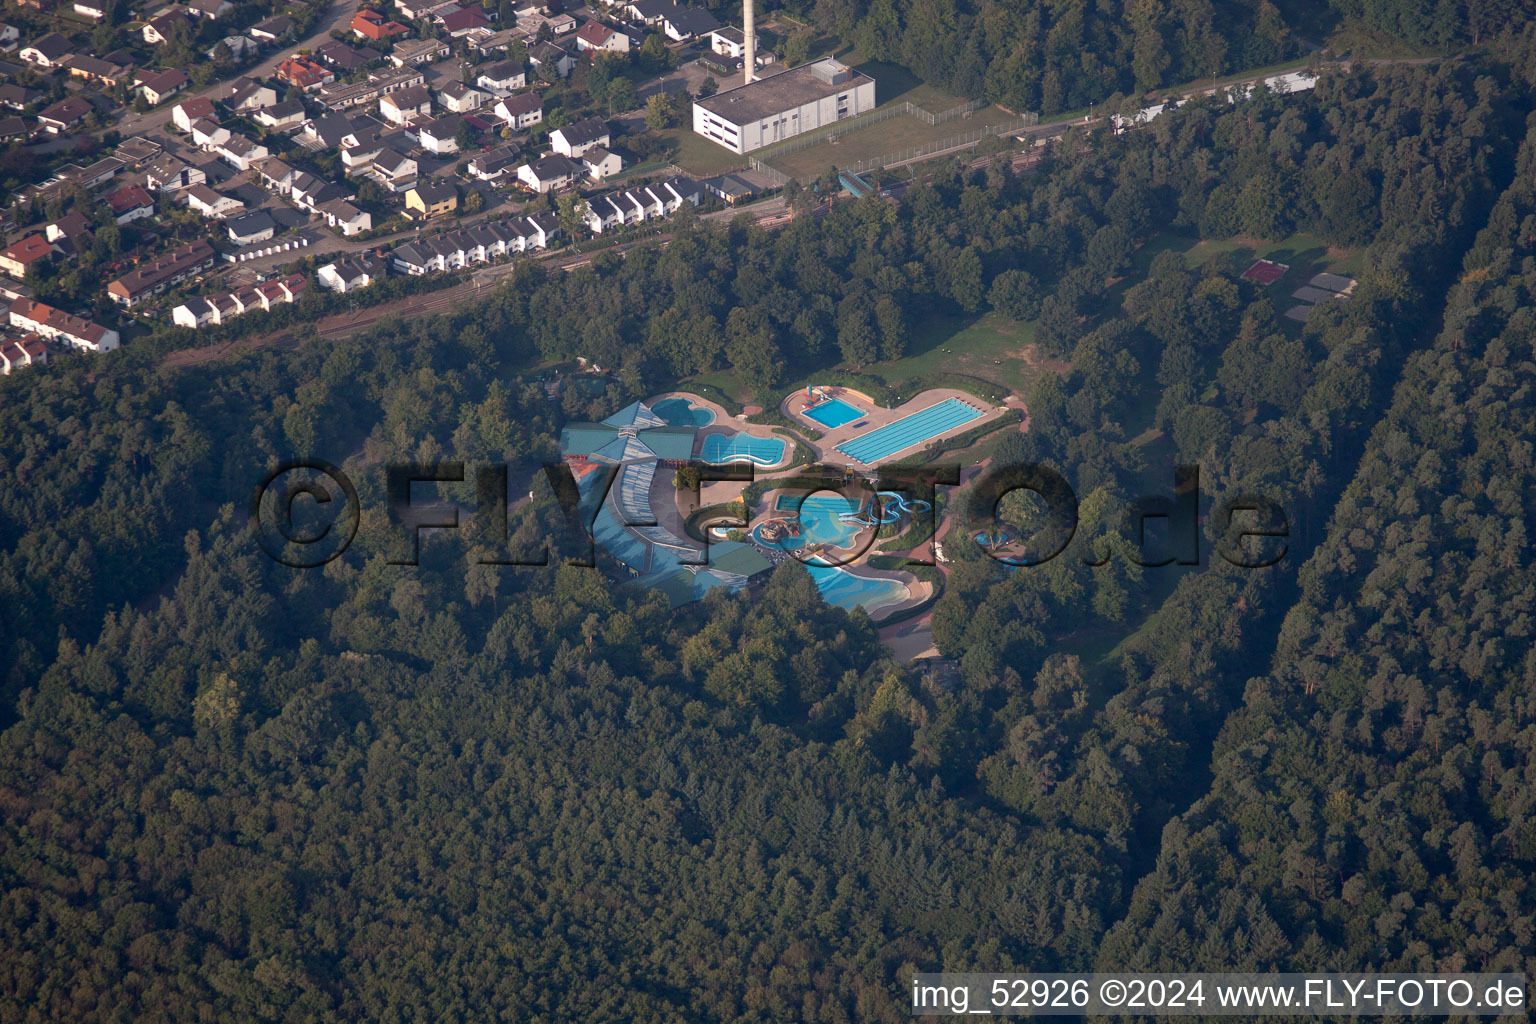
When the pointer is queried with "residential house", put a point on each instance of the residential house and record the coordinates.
(405, 105)
(94, 69)
(58, 325)
(601, 163)
(431, 199)
(356, 157)
(728, 41)
(24, 254)
(575, 139)
(550, 173)
(240, 152)
(345, 217)
(64, 115)
(393, 170)
(419, 51)
(649, 12)
(167, 174)
(194, 313)
(157, 88)
(10, 37)
(272, 29)
(47, 51)
(70, 233)
(191, 109)
(689, 24)
(339, 96)
(464, 21)
(305, 73)
(28, 351)
(370, 24)
(212, 10)
(166, 24)
(440, 137)
(209, 203)
(344, 58)
(18, 97)
(502, 78)
(415, 10)
(521, 111)
(309, 192)
(13, 128)
(461, 98)
(495, 164)
(238, 47)
(275, 174)
(559, 24)
(138, 150)
(595, 37)
(249, 94)
(549, 55)
(130, 203)
(488, 43)
(99, 173)
(256, 226)
(287, 114)
(157, 275)
(208, 133)
(349, 273)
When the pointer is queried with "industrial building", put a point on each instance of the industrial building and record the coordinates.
(769, 110)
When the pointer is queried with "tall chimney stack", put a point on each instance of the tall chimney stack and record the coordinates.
(749, 53)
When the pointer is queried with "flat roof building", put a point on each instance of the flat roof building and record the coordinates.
(782, 106)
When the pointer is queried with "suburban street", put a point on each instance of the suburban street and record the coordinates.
(339, 12)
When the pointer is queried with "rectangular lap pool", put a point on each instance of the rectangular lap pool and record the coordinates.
(909, 431)
(832, 413)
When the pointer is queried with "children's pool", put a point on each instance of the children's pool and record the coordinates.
(679, 412)
(832, 413)
(720, 449)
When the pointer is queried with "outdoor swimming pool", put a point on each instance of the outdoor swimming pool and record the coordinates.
(720, 449)
(847, 590)
(679, 412)
(832, 413)
(909, 431)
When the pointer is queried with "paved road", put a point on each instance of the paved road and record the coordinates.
(339, 12)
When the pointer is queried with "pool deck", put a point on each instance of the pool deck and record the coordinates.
(825, 449)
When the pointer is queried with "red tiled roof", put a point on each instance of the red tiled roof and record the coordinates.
(28, 250)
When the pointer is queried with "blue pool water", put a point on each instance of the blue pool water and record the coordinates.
(679, 412)
(840, 587)
(722, 448)
(909, 431)
(833, 413)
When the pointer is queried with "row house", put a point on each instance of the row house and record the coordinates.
(196, 312)
(338, 96)
(157, 275)
(57, 325)
(645, 202)
(349, 273)
(480, 243)
(28, 351)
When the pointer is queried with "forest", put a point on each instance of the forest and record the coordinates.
(232, 790)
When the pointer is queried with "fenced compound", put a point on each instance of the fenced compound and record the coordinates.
(759, 161)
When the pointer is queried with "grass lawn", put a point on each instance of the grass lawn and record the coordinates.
(989, 346)
(700, 157)
(891, 137)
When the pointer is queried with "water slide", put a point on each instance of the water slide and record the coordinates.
(890, 507)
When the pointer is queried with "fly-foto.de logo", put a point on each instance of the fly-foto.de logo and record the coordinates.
(306, 512)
